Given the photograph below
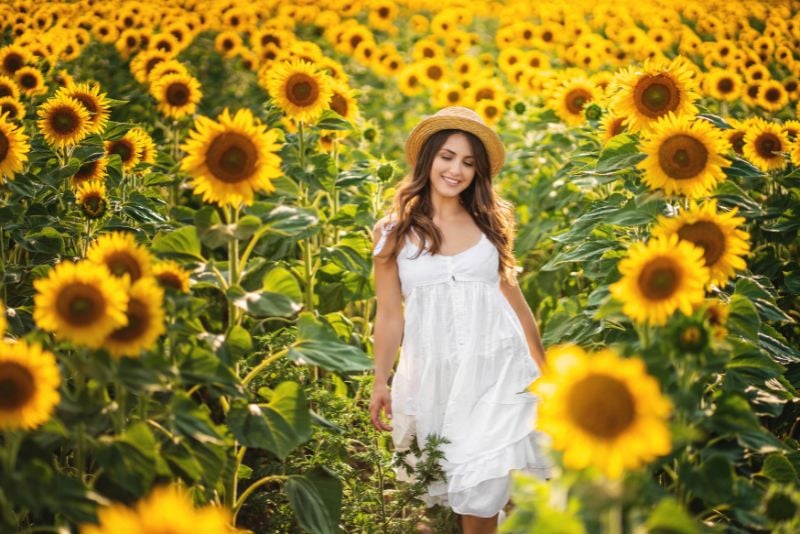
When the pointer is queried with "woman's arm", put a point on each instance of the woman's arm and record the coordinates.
(514, 295)
(388, 328)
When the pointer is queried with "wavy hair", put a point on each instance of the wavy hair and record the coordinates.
(412, 210)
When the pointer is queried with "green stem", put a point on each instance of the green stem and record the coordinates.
(119, 419)
(252, 244)
(233, 266)
(252, 488)
(13, 441)
(263, 365)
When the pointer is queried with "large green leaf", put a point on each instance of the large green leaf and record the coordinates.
(128, 460)
(181, 243)
(778, 468)
(670, 517)
(316, 500)
(318, 344)
(263, 303)
(743, 319)
(279, 426)
(284, 220)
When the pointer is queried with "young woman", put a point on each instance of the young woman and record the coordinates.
(446, 291)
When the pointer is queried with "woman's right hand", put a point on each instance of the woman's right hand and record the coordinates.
(381, 400)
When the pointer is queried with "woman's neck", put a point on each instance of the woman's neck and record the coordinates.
(446, 208)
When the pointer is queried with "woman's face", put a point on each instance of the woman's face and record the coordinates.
(453, 167)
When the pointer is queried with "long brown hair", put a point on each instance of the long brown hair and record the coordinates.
(413, 210)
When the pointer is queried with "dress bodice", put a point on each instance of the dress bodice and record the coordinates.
(478, 263)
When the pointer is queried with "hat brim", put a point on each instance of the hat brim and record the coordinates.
(431, 125)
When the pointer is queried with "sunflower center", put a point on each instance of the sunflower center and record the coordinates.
(737, 142)
(453, 96)
(339, 104)
(772, 95)
(170, 280)
(121, 263)
(767, 144)
(302, 90)
(232, 157)
(659, 279)
(87, 102)
(16, 386)
(28, 81)
(177, 94)
(576, 99)
(13, 62)
(123, 148)
(80, 304)
(682, 156)
(138, 319)
(5, 90)
(617, 127)
(4, 146)
(601, 406)
(691, 335)
(64, 121)
(152, 63)
(435, 72)
(656, 95)
(708, 235)
(725, 85)
(484, 94)
(86, 170)
(9, 108)
(94, 206)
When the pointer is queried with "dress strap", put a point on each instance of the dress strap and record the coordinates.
(386, 227)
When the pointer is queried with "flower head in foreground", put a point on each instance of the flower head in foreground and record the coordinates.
(300, 90)
(120, 253)
(684, 157)
(660, 277)
(657, 88)
(231, 159)
(145, 320)
(602, 410)
(168, 509)
(80, 302)
(95, 103)
(29, 380)
(14, 148)
(724, 244)
(63, 121)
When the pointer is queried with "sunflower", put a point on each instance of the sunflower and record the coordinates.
(570, 97)
(490, 111)
(654, 91)
(8, 87)
(722, 85)
(30, 81)
(165, 509)
(602, 410)
(408, 81)
(63, 121)
(13, 58)
(145, 61)
(170, 66)
(772, 96)
(63, 78)
(177, 94)
(29, 380)
(724, 244)
(343, 101)
(94, 170)
(80, 302)
(127, 148)
(226, 42)
(14, 148)
(716, 313)
(231, 159)
(683, 156)
(300, 90)
(128, 42)
(145, 320)
(171, 275)
(659, 277)
(612, 126)
(144, 144)
(764, 145)
(12, 108)
(120, 253)
(91, 198)
(449, 94)
(94, 102)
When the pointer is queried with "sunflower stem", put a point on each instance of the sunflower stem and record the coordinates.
(233, 264)
(263, 365)
(306, 244)
(13, 441)
(253, 487)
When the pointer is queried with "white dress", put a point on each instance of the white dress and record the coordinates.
(463, 372)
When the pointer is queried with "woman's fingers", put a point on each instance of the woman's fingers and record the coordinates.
(378, 404)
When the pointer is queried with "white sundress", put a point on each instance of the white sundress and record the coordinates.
(463, 372)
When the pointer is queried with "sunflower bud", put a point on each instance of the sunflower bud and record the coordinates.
(370, 134)
(519, 108)
(385, 172)
(593, 112)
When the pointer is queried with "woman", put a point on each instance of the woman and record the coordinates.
(446, 289)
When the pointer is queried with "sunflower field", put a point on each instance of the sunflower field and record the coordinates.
(188, 194)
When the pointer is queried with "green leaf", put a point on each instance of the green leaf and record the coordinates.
(620, 153)
(717, 476)
(278, 427)
(760, 292)
(670, 517)
(281, 280)
(284, 220)
(181, 243)
(774, 343)
(193, 420)
(743, 319)
(263, 303)
(310, 507)
(590, 250)
(318, 344)
(246, 227)
(778, 468)
(129, 459)
(45, 241)
(331, 120)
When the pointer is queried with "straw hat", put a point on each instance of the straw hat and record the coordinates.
(457, 118)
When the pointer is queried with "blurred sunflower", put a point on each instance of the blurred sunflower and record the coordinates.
(226, 42)
(105, 32)
(8, 87)
(12, 108)
(343, 101)
(659, 277)
(13, 58)
(764, 145)
(30, 81)
(145, 61)
(94, 170)
(449, 94)
(772, 96)
(408, 81)
(119, 252)
(144, 144)
(654, 91)
(169, 66)
(177, 94)
(300, 90)
(724, 244)
(128, 42)
(722, 85)
(80, 302)
(63, 78)
(91, 198)
(145, 321)
(231, 159)
(14, 148)
(165, 509)
(602, 410)
(171, 275)
(63, 121)
(570, 97)
(432, 72)
(127, 148)
(95, 103)
(29, 380)
(490, 111)
(716, 313)
(611, 126)
(683, 156)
